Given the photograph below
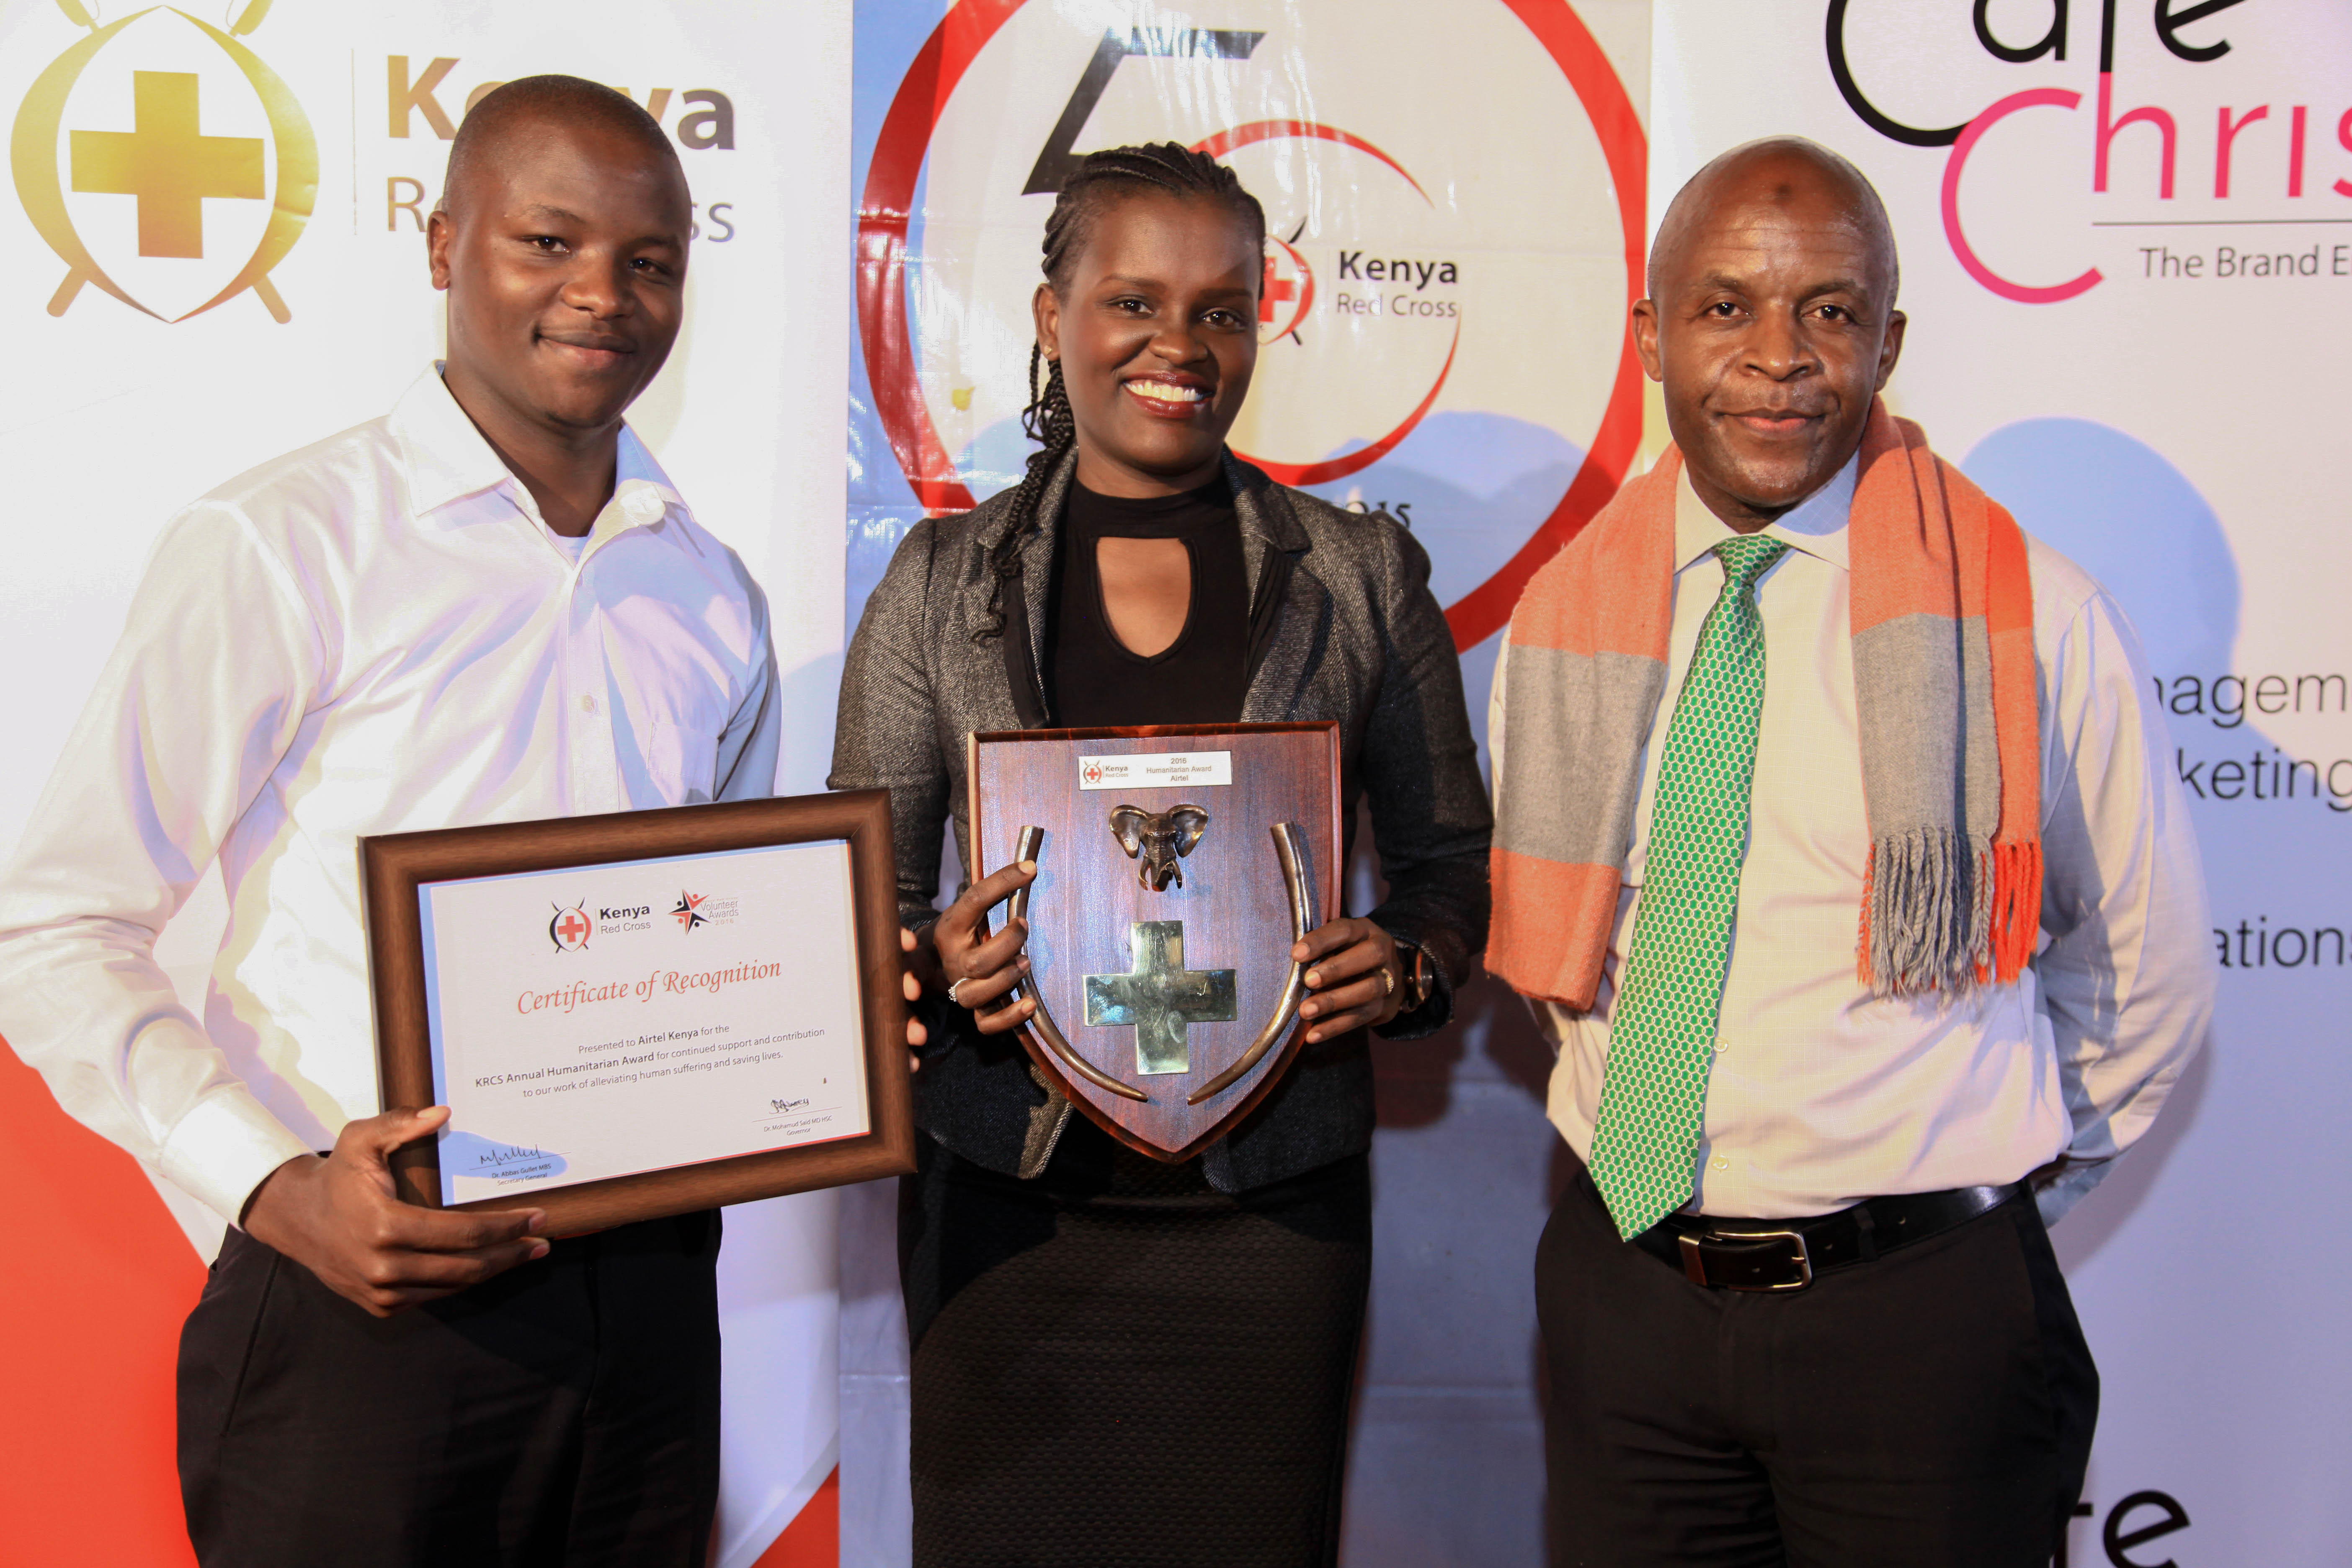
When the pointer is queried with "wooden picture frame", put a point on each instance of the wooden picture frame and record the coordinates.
(395, 868)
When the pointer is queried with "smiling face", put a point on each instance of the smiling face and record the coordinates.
(564, 258)
(1156, 332)
(1771, 325)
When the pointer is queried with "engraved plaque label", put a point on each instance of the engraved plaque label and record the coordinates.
(1156, 769)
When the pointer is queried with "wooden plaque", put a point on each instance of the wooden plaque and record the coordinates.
(570, 1015)
(1175, 868)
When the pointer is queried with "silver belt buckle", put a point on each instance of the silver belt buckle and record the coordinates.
(1695, 1261)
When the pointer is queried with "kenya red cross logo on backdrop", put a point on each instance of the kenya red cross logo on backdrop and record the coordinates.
(1454, 218)
(571, 927)
(216, 156)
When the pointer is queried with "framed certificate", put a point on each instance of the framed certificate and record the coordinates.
(644, 1013)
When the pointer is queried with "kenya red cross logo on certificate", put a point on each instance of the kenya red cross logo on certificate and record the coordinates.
(571, 929)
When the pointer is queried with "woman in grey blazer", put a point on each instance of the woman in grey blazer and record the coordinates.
(1117, 1360)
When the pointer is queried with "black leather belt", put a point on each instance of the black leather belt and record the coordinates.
(1786, 1254)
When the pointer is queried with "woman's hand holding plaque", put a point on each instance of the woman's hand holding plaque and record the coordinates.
(1354, 979)
(951, 954)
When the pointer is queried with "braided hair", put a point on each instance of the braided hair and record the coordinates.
(1098, 180)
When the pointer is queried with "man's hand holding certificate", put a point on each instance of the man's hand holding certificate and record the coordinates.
(339, 1213)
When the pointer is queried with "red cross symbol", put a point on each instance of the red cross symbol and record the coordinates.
(572, 928)
(1273, 291)
(1094, 772)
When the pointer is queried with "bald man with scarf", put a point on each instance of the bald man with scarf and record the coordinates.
(1837, 851)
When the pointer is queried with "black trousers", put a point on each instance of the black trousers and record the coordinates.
(566, 1412)
(1932, 1409)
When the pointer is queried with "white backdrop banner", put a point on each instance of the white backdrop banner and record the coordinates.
(2127, 243)
(216, 221)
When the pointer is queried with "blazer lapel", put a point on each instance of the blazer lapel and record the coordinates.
(1025, 606)
(1284, 609)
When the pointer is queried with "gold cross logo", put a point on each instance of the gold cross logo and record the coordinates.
(165, 162)
(168, 163)
(1158, 996)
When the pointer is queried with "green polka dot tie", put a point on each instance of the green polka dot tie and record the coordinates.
(1662, 1033)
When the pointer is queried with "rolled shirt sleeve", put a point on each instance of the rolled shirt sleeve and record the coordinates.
(199, 701)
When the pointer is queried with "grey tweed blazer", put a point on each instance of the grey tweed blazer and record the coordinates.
(1342, 627)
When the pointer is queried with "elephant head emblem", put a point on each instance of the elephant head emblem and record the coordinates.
(1157, 841)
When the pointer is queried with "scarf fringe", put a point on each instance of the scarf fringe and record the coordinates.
(2015, 908)
(1923, 926)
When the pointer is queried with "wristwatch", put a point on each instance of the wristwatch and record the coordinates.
(1419, 976)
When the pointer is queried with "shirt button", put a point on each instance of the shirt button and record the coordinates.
(587, 705)
(1720, 1163)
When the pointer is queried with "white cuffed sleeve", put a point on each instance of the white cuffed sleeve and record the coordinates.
(201, 699)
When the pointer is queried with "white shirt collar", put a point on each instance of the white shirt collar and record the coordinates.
(1816, 525)
(448, 460)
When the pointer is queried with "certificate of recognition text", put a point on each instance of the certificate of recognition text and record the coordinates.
(605, 1020)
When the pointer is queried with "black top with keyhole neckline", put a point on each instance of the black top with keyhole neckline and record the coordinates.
(1201, 678)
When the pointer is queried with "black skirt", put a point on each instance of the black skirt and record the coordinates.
(1118, 1366)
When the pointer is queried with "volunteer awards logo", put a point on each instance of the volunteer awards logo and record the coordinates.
(183, 197)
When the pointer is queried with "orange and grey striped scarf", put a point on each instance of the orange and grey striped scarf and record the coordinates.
(1944, 686)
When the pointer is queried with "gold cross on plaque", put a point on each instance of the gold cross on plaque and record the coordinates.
(1158, 996)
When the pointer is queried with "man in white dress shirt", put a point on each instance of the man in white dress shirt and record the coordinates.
(1798, 1304)
(489, 606)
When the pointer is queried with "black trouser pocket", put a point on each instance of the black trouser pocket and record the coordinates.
(218, 1346)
